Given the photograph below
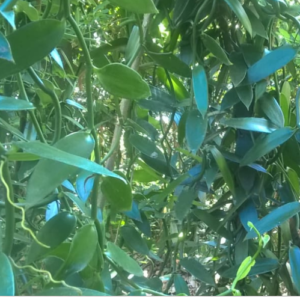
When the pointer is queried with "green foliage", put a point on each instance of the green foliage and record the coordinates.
(138, 140)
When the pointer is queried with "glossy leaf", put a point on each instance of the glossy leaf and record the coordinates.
(238, 9)
(12, 104)
(122, 259)
(230, 99)
(184, 202)
(78, 258)
(180, 285)
(212, 223)
(143, 225)
(31, 43)
(275, 218)
(79, 203)
(225, 171)
(52, 210)
(84, 184)
(195, 130)
(252, 124)
(56, 56)
(53, 233)
(133, 44)
(66, 291)
(294, 256)
(248, 213)
(245, 93)
(134, 213)
(134, 240)
(270, 63)
(267, 144)
(5, 51)
(200, 89)
(197, 270)
(118, 80)
(136, 6)
(245, 268)
(118, 193)
(214, 47)
(7, 283)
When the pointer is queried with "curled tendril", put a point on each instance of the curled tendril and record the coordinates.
(49, 275)
(18, 207)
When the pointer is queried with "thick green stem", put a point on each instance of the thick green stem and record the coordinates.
(55, 101)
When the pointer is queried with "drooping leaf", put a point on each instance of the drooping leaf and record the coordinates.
(222, 164)
(53, 233)
(245, 93)
(118, 193)
(136, 6)
(118, 80)
(180, 285)
(238, 9)
(12, 104)
(238, 70)
(230, 99)
(294, 256)
(266, 144)
(270, 63)
(78, 258)
(184, 202)
(248, 213)
(252, 124)
(257, 26)
(197, 270)
(134, 240)
(31, 43)
(195, 130)
(275, 218)
(143, 225)
(133, 44)
(200, 89)
(122, 259)
(134, 213)
(7, 283)
(214, 47)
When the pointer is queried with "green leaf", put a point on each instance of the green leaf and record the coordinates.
(212, 223)
(271, 109)
(31, 43)
(200, 89)
(238, 70)
(214, 47)
(195, 130)
(197, 270)
(238, 9)
(297, 101)
(5, 51)
(118, 193)
(122, 81)
(266, 144)
(7, 283)
(257, 26)
(134, 240)
(180, 285)
(270, 63)
(136, 6)
(294, 180)
(225, 171)
(79, 203)
(28, 9)
(184, 202)
(12, 104)
(66, 291)
(294, 256)
(133, 44)
(245, 268)
(11, 129)
(252, 124)
(53, 233)
(275, 218)
(172, 63)
(245, 93)
(82, 250)
(122, 259)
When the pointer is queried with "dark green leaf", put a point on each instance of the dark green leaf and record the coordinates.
(184, 202)
(197, 270)
(257, 26)
(136, 6)
(79, 203)
(200, 89)
(239, 68)
(124, 260)
(133, 44)
(7, 283)
(119, 80)
(5, 51)
(266, 144)
(134, 240)
(275, 218)
(53, 233)
(245, 93)
(230, 99)
(195, 130)
(31, 43)
(212, 223)
(238, 9)
(294, 256)
(82, 250)
(11, 104)
(270, 63)
(214, 47)
(67, 291)
(118, 193)
(180, 285)
(252, 124)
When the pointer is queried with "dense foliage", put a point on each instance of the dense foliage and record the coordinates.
(149, 147)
